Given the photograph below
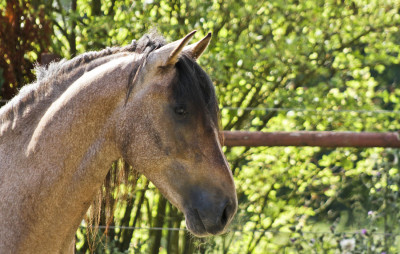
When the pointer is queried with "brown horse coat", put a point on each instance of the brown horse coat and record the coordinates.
(149, 103)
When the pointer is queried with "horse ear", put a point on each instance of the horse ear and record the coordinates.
(168, 55)
(196, 49)
(174, 56)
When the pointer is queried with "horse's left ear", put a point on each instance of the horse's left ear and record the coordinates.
(169, 54)
(174, 56)
(196, 49)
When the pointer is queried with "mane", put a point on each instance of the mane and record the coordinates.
(55, 78)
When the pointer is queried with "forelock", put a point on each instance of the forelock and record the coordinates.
(195, 86)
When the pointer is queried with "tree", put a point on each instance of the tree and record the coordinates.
(24, 34)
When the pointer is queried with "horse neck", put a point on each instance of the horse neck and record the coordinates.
(64, 161)
(34, 100)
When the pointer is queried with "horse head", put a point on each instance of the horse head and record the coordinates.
(169, 131)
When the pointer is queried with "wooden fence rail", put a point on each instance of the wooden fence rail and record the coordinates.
(312, 138)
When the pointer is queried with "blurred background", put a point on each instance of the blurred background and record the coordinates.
(279, 65)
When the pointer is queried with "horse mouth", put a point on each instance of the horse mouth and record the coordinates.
(197, 227)
(194, 224)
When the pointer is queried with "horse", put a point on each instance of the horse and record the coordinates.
(149, 103)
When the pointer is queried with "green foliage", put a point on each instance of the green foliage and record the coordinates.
(327, 57)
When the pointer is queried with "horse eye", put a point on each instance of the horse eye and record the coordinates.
(180, 111)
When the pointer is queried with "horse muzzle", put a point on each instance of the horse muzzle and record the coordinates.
(208, 215)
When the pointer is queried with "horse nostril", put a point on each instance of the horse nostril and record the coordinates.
(227, 213)
(225, 216)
